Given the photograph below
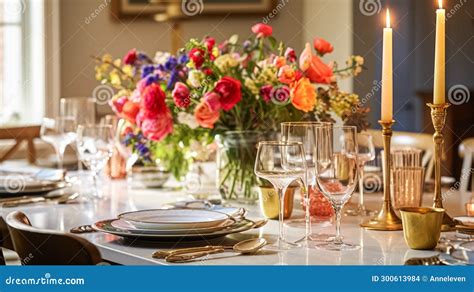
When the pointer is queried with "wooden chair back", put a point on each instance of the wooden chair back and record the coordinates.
(20, 135)
(5, 240)
(49, 247)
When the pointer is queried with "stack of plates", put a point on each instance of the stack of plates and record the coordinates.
(17, 185)
(163, 224)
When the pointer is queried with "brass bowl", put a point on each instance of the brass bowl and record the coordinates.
(422, 226)
(270, 203)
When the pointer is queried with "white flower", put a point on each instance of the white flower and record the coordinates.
(226, 61)
(188, 120)
(161, 57)
(195, 78)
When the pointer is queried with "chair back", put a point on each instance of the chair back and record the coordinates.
(5, 240)
(49, 247)
(421, 141)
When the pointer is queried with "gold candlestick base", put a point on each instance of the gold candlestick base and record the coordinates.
(387, 219)
(438, 117)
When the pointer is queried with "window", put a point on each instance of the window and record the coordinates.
(22, 61)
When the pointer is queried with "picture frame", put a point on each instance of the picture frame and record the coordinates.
(147, 8)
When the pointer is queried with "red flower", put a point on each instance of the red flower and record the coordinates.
(117, 104)
(155, 128)
(153, 100)
(207, 71)
(209, 42)
(181, 95)
(197, 56)
(262, 30)
(205, 116)
(130, 111)
(130, 57)
(322, 46)
(229, 90)
(266, 92)
(314, 68)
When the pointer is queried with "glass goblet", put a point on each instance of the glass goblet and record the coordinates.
(58, 132)
(281, 163)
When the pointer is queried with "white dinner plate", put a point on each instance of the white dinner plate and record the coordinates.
(107, 227)
(174, 219)
(127, 225)
(465, 220)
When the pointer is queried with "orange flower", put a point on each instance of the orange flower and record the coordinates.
(303, 95)
(286, 74)
(205, 117)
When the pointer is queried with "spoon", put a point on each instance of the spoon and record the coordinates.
(248, 246)
(161, 254)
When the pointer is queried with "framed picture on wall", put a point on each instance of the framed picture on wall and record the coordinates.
(134, 8)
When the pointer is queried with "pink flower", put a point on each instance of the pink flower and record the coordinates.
(322, 46)
(212, 99)
(262, 30)
(286, 74)
(181, 95)
(117, 104)
(229, 90)
(266, 92)
(156, 128)
(153, 100)
(290, 55)
(130, 57)
(205, 117)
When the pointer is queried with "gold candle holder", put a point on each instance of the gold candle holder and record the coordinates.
(387, 219)
(438, 117)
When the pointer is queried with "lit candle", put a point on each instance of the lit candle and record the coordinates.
(440, 56)
(387, 73)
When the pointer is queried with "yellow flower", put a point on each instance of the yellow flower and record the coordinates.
(250, 84)
(225, 62)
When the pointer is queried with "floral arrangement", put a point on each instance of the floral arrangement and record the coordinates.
(171, 101)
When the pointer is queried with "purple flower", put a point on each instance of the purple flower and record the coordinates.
(171, 63)
(247, 45)
(183, 59)
(147, 70)
(151, 79)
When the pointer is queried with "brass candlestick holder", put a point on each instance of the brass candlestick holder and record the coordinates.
(387, 219)
(438, 117)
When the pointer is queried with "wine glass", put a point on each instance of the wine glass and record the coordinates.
(58, 132)
(305, 132)
(366, 153)
(95, 146)
(336, 173)
(80, 108)
(281, 163)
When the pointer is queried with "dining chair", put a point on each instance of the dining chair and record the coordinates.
(466, 152)
(49, 247)
(20, 135)
(421, 141)
(5, 240)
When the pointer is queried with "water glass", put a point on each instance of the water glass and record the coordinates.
(407, 186)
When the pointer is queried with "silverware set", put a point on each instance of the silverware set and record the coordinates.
(53, 197)
(182, 255)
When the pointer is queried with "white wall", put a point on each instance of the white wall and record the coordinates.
(331, 20)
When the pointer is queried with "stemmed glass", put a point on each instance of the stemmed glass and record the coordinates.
(305, 132)
(58, 132)
(336, 173)
(281, 163)
(366, 153)
(95, 146)
(82, 109)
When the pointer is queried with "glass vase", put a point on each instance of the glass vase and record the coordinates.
(236, 155)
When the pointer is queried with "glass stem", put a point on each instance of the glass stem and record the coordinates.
(281, 196)
(307, 202)
(60, 156)
(361, 186)
(338, 238)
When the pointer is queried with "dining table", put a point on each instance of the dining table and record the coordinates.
(377, 247)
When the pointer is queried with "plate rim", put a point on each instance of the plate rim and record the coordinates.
(121, 216)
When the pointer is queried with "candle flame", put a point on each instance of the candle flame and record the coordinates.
(388, 18)
(440, 3)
